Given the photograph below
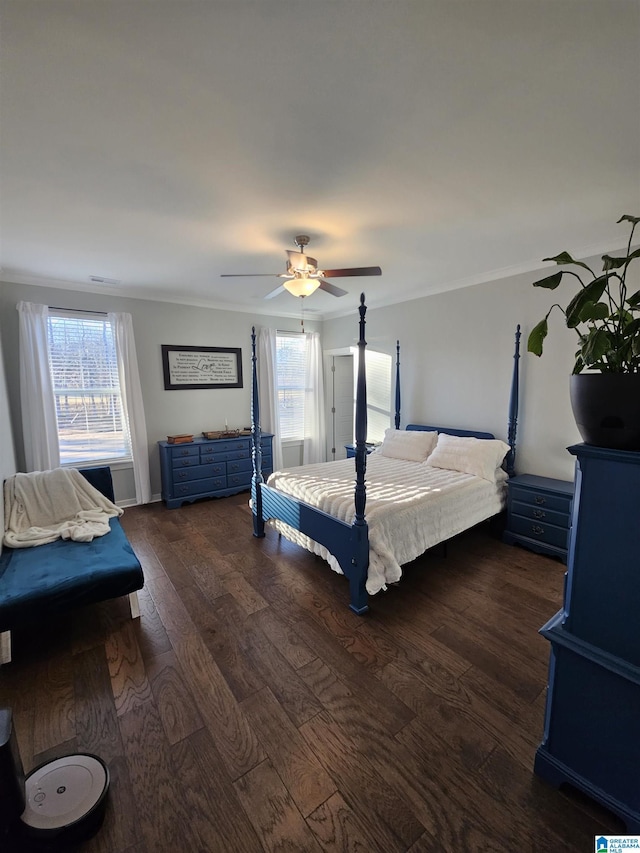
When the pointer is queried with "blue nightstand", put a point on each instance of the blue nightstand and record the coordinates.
(351, 449)
(539, 514)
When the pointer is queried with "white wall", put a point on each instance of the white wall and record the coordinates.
(456, 363)
(154, 324)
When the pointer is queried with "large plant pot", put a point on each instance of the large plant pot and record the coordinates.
(606, 407)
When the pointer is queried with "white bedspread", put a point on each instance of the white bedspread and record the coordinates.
(410, 507)
(59, 504)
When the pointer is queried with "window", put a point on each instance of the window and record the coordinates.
(378, 370)
(291, 372)
(84, 369)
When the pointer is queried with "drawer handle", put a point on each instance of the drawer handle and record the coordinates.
(540, 500)
(182, 474)
(537, 529)
(184, 452)
(186, 463)
(184, 489)
(539, 513)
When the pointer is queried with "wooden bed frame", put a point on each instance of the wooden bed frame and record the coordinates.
(349, 543)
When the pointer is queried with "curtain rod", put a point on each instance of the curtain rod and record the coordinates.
(78, 310)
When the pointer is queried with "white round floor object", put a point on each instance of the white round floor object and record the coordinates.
(62, 793)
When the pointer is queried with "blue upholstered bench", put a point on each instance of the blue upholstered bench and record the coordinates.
(62, 575)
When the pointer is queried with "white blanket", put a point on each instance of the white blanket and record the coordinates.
(410, 507)
(43, 506)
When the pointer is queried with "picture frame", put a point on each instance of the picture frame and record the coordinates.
(190, 367)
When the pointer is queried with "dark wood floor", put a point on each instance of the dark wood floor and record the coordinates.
(248, 709)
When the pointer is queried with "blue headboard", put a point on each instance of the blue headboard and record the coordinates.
(468, 433)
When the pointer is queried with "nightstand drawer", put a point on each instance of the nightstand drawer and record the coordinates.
(540, 531)
(541, 513)
(541, 499)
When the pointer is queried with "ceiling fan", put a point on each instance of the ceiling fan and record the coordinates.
(303, 277)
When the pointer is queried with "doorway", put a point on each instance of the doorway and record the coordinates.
(341, 405)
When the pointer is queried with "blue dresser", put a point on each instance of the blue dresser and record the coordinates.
(592, 718)
(207, 468)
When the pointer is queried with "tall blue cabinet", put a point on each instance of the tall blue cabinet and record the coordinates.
(592, 718)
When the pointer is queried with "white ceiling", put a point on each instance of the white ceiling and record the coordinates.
(450, 142)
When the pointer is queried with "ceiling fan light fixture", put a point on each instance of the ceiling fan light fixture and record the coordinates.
(301, 286)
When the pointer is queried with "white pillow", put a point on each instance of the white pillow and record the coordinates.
(412, 445)
(479, 456)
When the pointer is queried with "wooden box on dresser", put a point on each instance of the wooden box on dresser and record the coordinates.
(592, 719)
(539, 514)
(207, 468)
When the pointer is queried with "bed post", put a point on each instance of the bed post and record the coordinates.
(256, 445)
(397, 384)
(360, 528)
(513, 408)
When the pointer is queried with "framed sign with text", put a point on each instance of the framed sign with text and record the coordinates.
(201, 367)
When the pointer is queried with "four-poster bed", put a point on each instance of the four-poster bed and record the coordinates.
(411, 504)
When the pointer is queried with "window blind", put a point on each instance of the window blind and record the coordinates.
(291, 372)
(84, 369)
(378, 369)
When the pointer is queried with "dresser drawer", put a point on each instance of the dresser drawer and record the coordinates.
(243, 478)
(225, 455)
(226, 445)
(200, 472)
(240, 454)
(183, 451)
(541, 513)
(237, 465)
(540, 498)
(199, 487)
(540, 531)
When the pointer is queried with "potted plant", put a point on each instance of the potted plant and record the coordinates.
(605, 385)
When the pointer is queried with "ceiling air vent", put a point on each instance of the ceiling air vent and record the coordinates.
(100, 279)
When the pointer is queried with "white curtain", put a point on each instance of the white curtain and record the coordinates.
(313, 449)
(39, 421)
(131, 395)
(268, 391)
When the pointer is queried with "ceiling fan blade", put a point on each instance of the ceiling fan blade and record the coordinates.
(352, 271)
(331, 288)
(275, 292)
(251, 274)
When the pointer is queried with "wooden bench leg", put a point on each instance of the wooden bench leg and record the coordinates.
(5, 647)
(134, 604)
